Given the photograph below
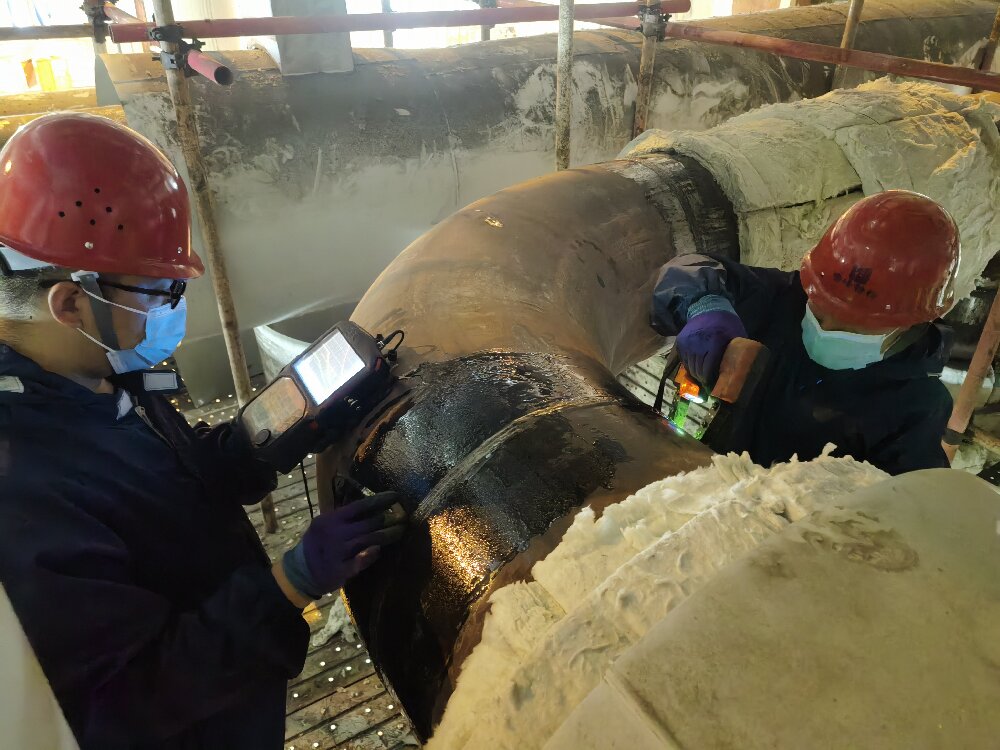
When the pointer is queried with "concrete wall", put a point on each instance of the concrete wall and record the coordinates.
(323, 179)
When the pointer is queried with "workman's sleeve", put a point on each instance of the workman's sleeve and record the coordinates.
(687, 278)
(227, 465)
(916, 443)
(129, 669)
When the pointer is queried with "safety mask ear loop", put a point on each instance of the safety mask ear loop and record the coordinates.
(102, 312)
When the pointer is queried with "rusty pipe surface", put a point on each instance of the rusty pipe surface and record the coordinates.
(518, 311)
(931, 71)
(282, 25)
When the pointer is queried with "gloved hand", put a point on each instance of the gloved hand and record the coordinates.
(703, 341)
(341, 543)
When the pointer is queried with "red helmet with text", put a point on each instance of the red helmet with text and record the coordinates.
(889, 262)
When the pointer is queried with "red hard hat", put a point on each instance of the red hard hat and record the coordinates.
(888, 262)
(86, 193)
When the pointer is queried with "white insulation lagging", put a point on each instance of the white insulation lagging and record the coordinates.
(548, 642)
(791, 169)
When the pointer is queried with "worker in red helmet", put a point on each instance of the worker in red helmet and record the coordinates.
(856, 353)
(140, 582)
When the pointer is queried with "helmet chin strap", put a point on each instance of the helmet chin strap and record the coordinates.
(102, 313)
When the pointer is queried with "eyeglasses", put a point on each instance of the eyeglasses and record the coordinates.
(174, 294)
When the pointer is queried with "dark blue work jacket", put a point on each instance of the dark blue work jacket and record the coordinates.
(134, 569)
(892, 413)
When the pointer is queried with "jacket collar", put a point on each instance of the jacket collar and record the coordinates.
(23, 382)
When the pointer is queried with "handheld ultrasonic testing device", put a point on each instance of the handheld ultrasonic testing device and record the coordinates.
(322, 389)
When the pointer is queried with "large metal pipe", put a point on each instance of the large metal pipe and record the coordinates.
(283, 25)
(518, 311)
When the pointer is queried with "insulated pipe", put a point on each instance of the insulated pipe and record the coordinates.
(284, 25)
(518, 312)
(209, 67)
(950, 74)
(564, 83)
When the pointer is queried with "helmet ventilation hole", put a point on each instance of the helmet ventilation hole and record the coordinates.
(93, 221)
(79, 204)
(108, 209)
(121, 227)
(97, 190)
(62, 214)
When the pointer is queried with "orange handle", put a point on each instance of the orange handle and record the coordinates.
(738, 363)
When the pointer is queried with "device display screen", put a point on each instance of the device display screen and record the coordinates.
(277, 409)
(327, 367)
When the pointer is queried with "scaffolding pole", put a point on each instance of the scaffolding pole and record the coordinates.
(979, 369)
(990, 49)
(847, 41)
(652, 24)
(387, 33)
(187, 134)
(564, 83)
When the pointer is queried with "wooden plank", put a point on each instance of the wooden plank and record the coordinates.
(316, 687)
(319, 715)
(357, 728)
(333, 654)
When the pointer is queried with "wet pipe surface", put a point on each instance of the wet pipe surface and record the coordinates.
(488, 451)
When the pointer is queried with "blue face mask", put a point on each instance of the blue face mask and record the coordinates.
(165, 327)
(840, 350)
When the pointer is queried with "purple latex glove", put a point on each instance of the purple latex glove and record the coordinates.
(703, 341)
(341, 543)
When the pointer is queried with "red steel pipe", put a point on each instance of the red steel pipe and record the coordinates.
(117, 15)
(903, 66)
(628, 23)
(209, 67)
(285, 25)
